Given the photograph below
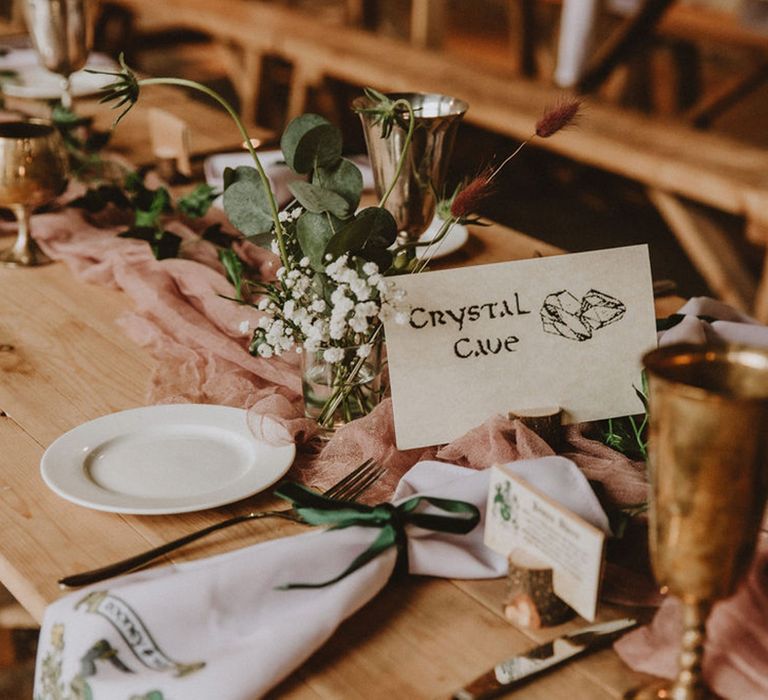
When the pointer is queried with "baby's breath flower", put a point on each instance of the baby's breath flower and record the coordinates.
(244, 326)
(333, 355)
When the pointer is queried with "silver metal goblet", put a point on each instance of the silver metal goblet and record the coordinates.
(415, 194)
(62, 34)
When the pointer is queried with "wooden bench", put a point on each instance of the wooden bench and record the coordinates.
(674, 161)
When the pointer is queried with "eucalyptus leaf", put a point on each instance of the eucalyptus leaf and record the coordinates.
(381, 256)
(241, 172)
(318, 200)
(313, 232)
(345, 179)
(373, 228)
(311, 141)
(263, 240)
(246, 201)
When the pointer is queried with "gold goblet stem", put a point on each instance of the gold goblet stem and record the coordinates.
(689, 684)
(24, 252)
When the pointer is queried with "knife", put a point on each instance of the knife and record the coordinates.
(511, 672)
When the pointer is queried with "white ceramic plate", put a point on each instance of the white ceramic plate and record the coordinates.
(455, 239)
(36, 83)
(163, 459)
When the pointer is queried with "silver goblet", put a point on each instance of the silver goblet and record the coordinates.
(414, 196)
(62, 34)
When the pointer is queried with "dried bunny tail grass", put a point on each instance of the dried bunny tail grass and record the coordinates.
(466, 202)
(557, 117)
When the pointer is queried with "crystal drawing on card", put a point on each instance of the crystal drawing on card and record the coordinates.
(576, 319)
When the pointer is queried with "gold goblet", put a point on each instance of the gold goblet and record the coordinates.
(33, 170)
(708, 467)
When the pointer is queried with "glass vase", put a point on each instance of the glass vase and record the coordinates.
(338, 392)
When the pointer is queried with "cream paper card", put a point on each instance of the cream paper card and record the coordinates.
(520, 518)
(565, 331)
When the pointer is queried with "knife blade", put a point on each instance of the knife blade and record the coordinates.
(512, 671)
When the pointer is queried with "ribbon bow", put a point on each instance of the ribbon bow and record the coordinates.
(315, 509)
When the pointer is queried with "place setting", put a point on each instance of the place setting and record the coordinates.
(396, 427)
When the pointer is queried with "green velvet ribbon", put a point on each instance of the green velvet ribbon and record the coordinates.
(392, 520)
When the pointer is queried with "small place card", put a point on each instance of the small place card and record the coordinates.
(566, 331)
(519, 517)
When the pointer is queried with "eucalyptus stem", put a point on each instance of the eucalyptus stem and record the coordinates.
(194, 85)
(406, 147)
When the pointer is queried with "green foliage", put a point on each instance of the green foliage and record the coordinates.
(345, 179)
(150, 207)
(368, 235)
(246, 201)
(313, 232)
(233, 267)
(83, 144)
(123, 91)
(384, 111)
(196, 203)
(319, 200)
(629, 434)
(310, 141)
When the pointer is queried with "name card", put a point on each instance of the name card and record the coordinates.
(565, 331)
(519, 518)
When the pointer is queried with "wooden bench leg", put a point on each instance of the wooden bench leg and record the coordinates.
(303, 77)
(427, 20)
(244, 70)
(709, 249)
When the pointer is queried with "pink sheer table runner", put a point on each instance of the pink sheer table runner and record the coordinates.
(198, 340)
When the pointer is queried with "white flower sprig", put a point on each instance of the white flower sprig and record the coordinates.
(298, 316)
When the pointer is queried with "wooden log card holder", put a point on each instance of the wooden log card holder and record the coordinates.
(531, 601)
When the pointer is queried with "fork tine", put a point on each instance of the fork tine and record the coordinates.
(354, 491)
(350, 487)
(351, 477)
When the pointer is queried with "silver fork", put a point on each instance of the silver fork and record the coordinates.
(348, 488)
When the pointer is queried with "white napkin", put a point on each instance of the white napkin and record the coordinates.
(219, 628)
(731, 325)
(226, 613)
(278, 172)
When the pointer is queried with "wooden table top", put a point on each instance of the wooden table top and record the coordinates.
(63, 361)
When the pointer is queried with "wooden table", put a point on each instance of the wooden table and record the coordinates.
(63, 362)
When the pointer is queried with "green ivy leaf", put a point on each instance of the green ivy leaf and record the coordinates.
(313, 232)
(197, 202)
(310, 141)
(318, 200)
(373, 228)
(164, 244)
(150, 204)
(246, 201)
(142, 233)
(97, 198)
(345, 179)
(233, 266)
